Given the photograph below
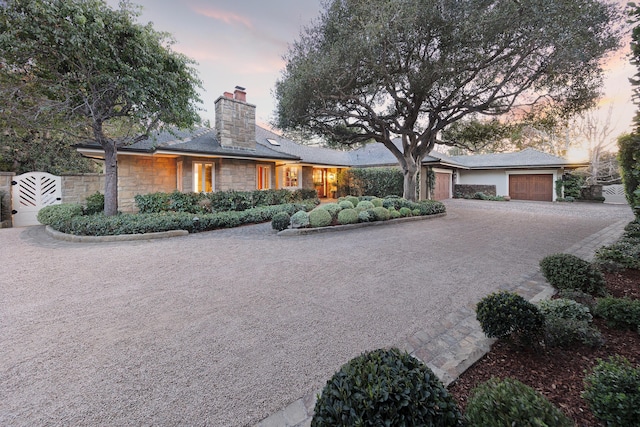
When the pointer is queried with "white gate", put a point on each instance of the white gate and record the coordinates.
(31, 192)
(614, 194)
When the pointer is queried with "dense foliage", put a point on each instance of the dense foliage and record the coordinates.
(509, 316)
(568, 322)
(612, 390)
(624, 253)
(385, 388)
(629, 160)
(370, 70)
(379, 182)
(93, 73)
(566, 271)
(508, 403)
(619, 312)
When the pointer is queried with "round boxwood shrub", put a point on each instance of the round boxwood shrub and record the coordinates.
(509, 316)
(353, 199)
(381, 213)
(566, 271)
(404, 212)
(348, 216)
(416, 212)
(280, 221)
(332, 208)
(319, 218)
(55, 215)
(385, 387)
(508, 402)
(346, 204)
(365, 204)
(394, 213)
(377, 202)
(613, 392)
(567, 322)
(300, 219)
(365, 216)
(94, 204)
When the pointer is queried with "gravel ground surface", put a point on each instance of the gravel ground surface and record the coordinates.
(226, 327)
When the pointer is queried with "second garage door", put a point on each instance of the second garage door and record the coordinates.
(531, 187)
(443, 186)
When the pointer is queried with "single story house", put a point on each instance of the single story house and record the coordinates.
(239, 155)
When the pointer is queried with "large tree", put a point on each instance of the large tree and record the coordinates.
(93, 72)
(376, 69)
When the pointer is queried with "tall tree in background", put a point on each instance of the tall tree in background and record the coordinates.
(83, 68)
(377, 69)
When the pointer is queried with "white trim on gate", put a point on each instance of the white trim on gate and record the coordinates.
(31, 192)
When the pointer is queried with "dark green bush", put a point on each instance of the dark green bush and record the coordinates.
(404, 212)
(619, 312)
(385, 388)
(378, 182)
(280, 221)
(613, 392)
(94, 204)
(507, 315)
(430, 207)
(508, 402)
(628, 155)
(565, 271)
(57, 216)
(152, 202)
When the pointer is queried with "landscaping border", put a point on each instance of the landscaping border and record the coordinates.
(118, 238)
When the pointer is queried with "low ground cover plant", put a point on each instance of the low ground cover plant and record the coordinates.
(385, 388)
(508, 402)
(625, 253)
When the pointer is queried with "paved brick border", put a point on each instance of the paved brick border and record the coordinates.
(457, 342)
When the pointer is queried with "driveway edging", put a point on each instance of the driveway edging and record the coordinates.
(117, 238)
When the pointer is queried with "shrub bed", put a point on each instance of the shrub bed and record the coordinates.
(566, 271)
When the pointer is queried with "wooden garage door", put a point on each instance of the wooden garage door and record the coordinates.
(443, 186)
(531, 187)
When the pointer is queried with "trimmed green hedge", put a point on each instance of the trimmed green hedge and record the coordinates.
(69, 219)
(379, 182)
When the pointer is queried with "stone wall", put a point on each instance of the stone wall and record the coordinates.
(143, 175)
(76, 188)
(235, 121)
(307, 177)
(468, 190)
(235, 174)
(5, 194)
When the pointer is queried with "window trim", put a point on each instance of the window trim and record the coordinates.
(203, 182)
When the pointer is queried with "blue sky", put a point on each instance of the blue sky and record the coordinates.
(241, 42)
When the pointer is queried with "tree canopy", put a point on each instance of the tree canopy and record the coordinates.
(379, 69)
(93, 72)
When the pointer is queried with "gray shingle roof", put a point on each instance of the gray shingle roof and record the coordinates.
(528, 157)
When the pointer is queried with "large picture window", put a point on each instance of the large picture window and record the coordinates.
(203, 181)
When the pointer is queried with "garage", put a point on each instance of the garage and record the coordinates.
(443, 186)
(531, 187)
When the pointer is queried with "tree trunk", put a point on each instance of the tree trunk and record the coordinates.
(111, 179)
(410, 170)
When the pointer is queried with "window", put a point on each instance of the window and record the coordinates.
(264, 177)
(290, 176)
(203, 177)
(273, 141)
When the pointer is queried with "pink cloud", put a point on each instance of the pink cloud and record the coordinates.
(229, 18)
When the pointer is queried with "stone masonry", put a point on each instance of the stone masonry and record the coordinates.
(76, 188)
(235, 121)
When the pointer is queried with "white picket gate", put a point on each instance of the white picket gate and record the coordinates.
(614, 194)
(31, 192)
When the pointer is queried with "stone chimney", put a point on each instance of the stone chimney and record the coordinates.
(235, 120)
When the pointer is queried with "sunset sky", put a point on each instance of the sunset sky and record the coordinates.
(241, 42)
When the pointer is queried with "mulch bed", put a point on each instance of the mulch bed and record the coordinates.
(558, 372)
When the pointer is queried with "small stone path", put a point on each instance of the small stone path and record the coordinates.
(457, 341)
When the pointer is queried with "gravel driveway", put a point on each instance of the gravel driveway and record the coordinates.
(226, 327)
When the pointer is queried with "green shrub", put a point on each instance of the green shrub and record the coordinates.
(416, 212)
(579, 296)
(565, 271)
(304, 194)
(628, 155)
(381, 213)
(394, 214)
(319, 218)
(346, 204)
(152, 203)
(404, 212)
(385, 387)
(613, 392)
(348, 216)
(431, 207)
(300, 219)
(57, 216)
(508, 402)
(619, 312)
(509, 316)
(377, 202)
(568, 322)
(280, 221)
(625, 253)
(365, 204)
(94, 204)
(632, 229)
(365, 216)
(353, 199)
(378, 182)
(332, 208)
